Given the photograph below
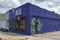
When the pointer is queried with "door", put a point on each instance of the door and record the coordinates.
(20, 24)
(16, 24)
(35, 25)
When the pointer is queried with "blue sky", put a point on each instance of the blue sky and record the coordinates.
(51, 5)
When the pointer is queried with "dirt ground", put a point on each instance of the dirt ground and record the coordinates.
(45, 36)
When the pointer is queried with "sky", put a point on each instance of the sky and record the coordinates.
(51, 5)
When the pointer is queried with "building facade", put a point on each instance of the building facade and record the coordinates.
(30, 19)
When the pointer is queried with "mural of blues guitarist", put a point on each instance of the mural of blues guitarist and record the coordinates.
(35, 25)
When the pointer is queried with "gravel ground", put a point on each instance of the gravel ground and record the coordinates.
(45, 36)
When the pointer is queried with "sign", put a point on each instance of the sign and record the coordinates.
(18, 12)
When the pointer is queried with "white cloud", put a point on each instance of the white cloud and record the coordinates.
(11, 3)
(3, 10)
(16, 2)
(8, 4)
(1, 1)
(51, 5)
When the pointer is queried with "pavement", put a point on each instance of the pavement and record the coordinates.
(46, 36)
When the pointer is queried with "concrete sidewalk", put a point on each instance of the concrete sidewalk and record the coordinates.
(45, 36)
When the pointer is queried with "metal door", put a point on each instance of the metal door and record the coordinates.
(20, 24)
(16, 22)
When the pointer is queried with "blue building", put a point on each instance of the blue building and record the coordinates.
(31, 19)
